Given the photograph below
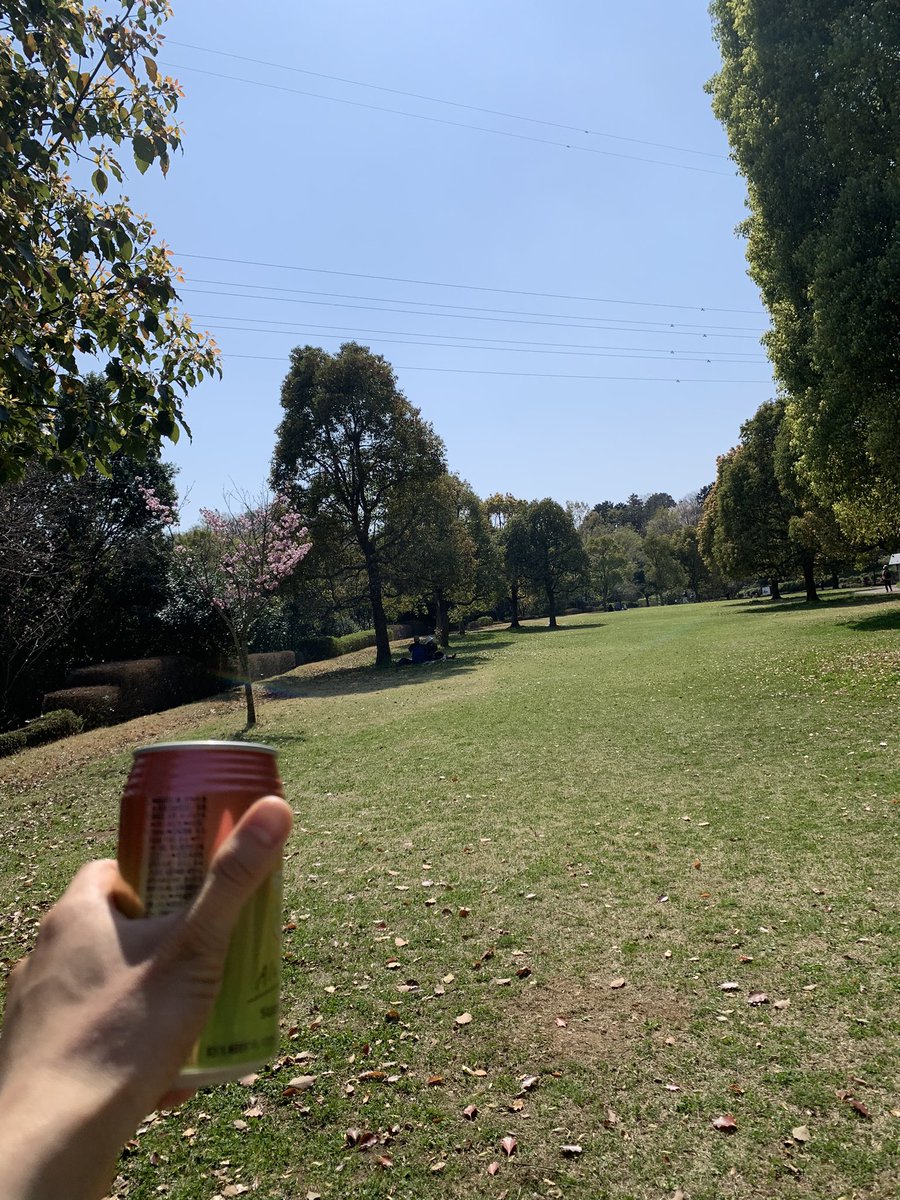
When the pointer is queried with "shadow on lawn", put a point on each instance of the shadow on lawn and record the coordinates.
(851, 600)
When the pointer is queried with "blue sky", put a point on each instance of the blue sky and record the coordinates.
(348, 200)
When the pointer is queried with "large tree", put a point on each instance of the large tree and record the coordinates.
(808, 96)
(553, 555)
(357, 459)
(81, 275)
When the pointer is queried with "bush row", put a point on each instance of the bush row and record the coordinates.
(320, 648)
(49, 728)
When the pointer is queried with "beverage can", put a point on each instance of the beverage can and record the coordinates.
(181, 801)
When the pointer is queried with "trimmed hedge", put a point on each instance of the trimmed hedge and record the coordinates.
(320, 648)
(481, 622)
(262, 666)
(97, 705)
(49, 728)
(148, 684)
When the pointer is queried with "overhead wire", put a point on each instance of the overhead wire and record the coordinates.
(470, 287)
(508, 133)
(573, 350)
(530, 374)
(492, 112)
(463, 317)
(469, 308)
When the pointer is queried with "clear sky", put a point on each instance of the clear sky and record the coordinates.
(587, 275)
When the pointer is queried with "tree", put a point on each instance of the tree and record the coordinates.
(553, 555)
(356, 459)
(236, 561)
(453, 558)
(82, 572)
(807, 94)
(607, 563)
(81, 275)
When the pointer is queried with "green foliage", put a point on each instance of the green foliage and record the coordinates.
(807, 94)
(357, 459)
(49, 728)
(82, 275)
(543, 543)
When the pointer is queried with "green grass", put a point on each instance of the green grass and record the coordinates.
(558, 786)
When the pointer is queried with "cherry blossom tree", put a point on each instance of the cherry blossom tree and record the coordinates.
(236, 560)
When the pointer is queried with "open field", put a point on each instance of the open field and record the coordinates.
(664, 800)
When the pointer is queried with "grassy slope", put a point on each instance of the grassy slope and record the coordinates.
(558, 785)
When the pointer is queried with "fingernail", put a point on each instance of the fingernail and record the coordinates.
(270, 825)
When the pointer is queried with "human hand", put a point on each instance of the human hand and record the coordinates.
(104, 1012)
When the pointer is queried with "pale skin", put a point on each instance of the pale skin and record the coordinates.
(101, 1016)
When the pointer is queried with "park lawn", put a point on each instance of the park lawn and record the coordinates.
(575, 837)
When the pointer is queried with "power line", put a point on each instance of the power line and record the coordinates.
(468, 287)
(492, 112)
(531, 374)
(571, 351)
(520, 137)
(470, 308)
(463, 316)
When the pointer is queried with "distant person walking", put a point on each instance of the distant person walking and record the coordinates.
(887, 580)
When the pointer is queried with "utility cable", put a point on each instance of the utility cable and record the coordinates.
(491, 112)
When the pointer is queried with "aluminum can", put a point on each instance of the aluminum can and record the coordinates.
(181, 801)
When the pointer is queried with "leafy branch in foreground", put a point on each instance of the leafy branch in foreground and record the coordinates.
(80, 275)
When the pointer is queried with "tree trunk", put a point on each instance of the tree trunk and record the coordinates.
(809, 579)
(647, 599)
(551, 601)
(442, 624)
(514, 603)
(244, 660)
(775, 589)
(379, 618)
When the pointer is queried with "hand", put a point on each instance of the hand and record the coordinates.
(102, 1015)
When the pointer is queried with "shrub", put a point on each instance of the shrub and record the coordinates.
(148, 684)
(12, 742)
(262, 666)
(481, 622)
(360, 640)
(52, 726)
(49, 728)
(316, 649)
(98, 705)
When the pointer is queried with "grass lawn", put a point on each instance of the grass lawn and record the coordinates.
(576, 838)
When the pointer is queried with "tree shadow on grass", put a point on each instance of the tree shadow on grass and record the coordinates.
(880, 622)
(850, 600)
(560, 628)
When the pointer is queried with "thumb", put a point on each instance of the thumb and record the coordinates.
(240, 866)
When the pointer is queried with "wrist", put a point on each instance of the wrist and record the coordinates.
(57, 1138)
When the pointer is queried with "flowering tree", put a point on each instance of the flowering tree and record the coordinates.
(236, 562)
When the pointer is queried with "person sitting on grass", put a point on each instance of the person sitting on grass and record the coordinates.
(423, 650)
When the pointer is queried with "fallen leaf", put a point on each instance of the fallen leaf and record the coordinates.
(618, 982)
(255, 1111)
(729, 986)
(696, 864)
(508, 1145)
(448, 979)
(571, 1150)
(725, 1123)
(493, 1168)
(801, 1133)
(248, 1080)
(527, 1082)
(523, 972)
(463, 1019)
(392, 1016)
(300, 1083)
(367, 1140)
(780, 1004)
(502, 982)
(400, 942)
(463, 912)
(434, 1081)
(562, 1023)
(437, 1167)
(240, 1125)
(470, 1112)
(235, 1189)
(351, 1137)
(516, 1105)
(384, 1162)
(757, 998)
